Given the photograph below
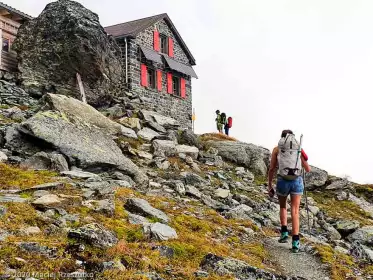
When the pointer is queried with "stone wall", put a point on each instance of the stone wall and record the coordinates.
(145, 39)
(160, 101)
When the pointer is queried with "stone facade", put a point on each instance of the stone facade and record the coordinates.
(160, 101)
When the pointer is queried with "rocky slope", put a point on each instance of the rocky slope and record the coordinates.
(124, 194)
(121, 192)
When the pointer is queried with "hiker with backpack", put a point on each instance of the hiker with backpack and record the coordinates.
(224, 120)
(218, 120)
(289, 158)
(228, 125)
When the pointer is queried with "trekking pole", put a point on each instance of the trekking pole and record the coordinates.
(304, 183)
(305, 192)
(299, 150)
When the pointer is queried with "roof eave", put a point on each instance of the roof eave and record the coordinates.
(15, 11)
(173, 27)
(130, 36)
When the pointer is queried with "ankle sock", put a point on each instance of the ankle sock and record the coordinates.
(295, 237)
(284, 229)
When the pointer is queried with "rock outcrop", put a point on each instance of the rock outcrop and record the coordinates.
(83, 113)
(66, 39)
(161, 120)
(253, 157)
(316, 178)
(84, 146)
(95, 235)
(142, 207)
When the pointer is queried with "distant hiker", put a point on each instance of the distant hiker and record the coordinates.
(289, 162)
(224, 122)
(218, 120)
(228, 125)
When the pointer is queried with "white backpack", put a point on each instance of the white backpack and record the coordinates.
(288, 158)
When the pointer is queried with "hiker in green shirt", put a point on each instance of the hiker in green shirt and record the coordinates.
(219, 123)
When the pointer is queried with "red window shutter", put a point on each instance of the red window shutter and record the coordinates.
(169, 83)
(156, 41)
(170, 47)
(159, 80)
(183, 88)
(144, 75)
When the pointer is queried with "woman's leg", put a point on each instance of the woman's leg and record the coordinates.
(283, 211)
(295, 202)
(284, 221)
(226, 128)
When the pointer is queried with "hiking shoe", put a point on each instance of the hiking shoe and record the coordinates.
(284, 237)
(296, 246)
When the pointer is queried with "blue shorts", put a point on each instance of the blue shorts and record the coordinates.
(284, 187)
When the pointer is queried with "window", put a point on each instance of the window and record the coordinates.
(164, 43)
(176, 85)
(6, 45)
(151, 78)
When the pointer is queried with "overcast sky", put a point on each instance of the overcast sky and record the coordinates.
(273, 65)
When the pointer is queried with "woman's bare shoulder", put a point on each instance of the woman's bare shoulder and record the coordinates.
(275, 150)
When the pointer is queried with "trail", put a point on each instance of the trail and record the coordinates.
(296, 265)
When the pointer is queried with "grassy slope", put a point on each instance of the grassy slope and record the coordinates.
(201, 230)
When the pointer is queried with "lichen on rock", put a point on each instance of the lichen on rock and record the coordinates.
(66, 39)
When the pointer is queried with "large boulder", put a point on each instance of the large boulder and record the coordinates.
(192, 191)
(164, 121)
(133, 123)
(188, 150)
(19, 143)
(361, 252)
(331, 232)
(65, 39)
(95, 235)
(187, 137)
(316, 178)
(147, 134)
(80, 112)
(47, 200)
(363, 235)
(193, 179)
(347, 227)
(142, 207)
(240, 269)
(44, 161)
(160, 232)
(164, 148)
(251, 156)
(339, 185)
(362, 203)
(168, 148)
(242, 211)
(84, 145)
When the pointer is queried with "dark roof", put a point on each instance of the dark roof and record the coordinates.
(15, 11)
(133, 28)
(151, 55)
(180, 67)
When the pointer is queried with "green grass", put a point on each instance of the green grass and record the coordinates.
(340, 265)
(345, 209)
(12, 177)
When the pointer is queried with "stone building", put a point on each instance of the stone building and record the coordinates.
(10, 21)
(158, 65)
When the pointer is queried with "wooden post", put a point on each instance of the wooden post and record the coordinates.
(81, 87)
(1, 48)
(193, 118)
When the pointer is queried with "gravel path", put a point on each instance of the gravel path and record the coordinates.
(296, 265)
